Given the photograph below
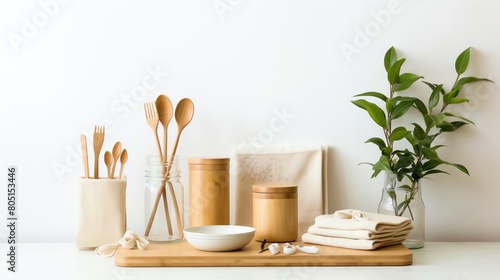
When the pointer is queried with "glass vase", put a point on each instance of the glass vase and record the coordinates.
(405, 202)
(166, 224)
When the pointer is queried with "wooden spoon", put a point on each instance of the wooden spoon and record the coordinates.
(108, 160)
(184, 112)
(117, 150)
(123, 160)
(165, 113)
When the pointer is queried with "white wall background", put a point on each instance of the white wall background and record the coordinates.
(84, 62)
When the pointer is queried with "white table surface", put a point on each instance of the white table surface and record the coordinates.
(437, 260)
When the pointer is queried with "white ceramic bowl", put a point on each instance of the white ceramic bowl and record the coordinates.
(219, 238)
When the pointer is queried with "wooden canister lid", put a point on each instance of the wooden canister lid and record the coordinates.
(208, 164)
(200, 160)
(274, 188)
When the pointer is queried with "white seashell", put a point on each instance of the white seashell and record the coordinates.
(288, 249)
(308, 249)
(274, 248)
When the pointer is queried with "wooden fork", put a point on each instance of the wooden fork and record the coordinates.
(98, 142)
(153, 119)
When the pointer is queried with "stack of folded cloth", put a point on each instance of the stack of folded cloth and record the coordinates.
(355, 229)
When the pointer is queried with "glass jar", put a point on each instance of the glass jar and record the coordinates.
(405, 202)
(165, 192)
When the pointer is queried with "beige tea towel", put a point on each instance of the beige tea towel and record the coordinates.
(301, 165)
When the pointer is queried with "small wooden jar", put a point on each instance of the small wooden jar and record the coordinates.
(208, 191)
(275, 216)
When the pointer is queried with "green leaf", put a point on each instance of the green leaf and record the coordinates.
(373, 94)
(457, 100)
(398, 133)
(403, 162)
(377, 141)
(459, 167)
(438, 118)
(459, 117)
(429, 121)
(431, 164)
(434, 171)
(390, 58)
(381, 165)
(437, 147)
(433, 86)
(400, 109)
(405, 188)
(462, 61)
(446, 127)
(420, 106)
(377, 114)
(406, 80)
(389, 104)
(430, 153)
(418, 131)
(387, 151)
(435, 96)
(454, 93)
(393, 73)
(410, 139)
(466, 80)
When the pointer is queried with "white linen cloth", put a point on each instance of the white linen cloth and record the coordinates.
(129, 241)
(360, 244)
(358, 234)
(355, 229)
(301, 165)
(351, 219)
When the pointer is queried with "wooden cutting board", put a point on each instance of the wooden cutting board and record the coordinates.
(182, 254)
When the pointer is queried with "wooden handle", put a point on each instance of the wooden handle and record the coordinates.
(96, 165)
(165, 206)
(85, 156)
(153, 211)
(176, 208)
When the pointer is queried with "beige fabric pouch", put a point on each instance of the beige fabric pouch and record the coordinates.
(102, 217)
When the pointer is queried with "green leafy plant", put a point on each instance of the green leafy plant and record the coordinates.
(409, 151)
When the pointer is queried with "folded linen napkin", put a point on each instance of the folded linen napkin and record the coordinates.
(129, 240)
(350, 219)
(359, 233)
(359, 244)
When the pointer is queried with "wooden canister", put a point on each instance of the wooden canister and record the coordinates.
(208, 191)
(275, 216)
